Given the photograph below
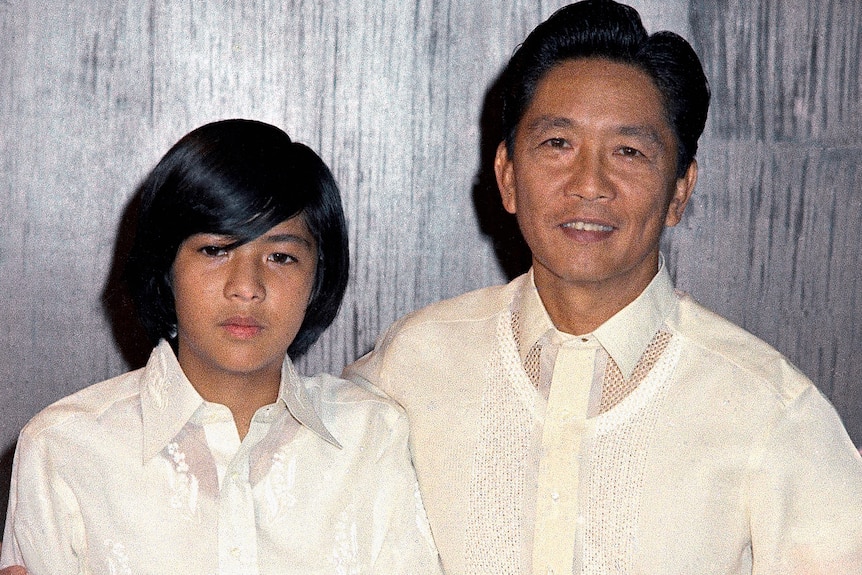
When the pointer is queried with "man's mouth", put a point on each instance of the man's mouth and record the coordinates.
(588, 226)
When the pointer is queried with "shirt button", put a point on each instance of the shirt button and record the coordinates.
(555, 496)
(235, 551)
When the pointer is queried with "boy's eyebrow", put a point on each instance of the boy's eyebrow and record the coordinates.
(292, 238)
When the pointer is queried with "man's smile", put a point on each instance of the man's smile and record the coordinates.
(588, 226)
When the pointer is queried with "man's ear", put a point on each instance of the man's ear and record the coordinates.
(683, 188)
(505, 177)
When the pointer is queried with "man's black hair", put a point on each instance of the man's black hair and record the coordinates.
(613, 31)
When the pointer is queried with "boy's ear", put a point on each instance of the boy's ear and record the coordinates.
(683, 188)
(505, 177)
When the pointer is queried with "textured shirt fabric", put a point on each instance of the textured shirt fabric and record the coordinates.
(139, 474)
(700, 448)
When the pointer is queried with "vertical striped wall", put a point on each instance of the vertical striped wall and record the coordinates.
(395, 97)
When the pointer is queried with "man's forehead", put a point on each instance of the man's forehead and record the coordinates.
(576, 78)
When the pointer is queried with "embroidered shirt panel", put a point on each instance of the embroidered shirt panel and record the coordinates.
(632, 341)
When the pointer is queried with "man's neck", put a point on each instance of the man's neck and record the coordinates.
(579, 308)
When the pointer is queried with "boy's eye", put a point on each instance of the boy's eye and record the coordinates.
(281, 258)
(213, 251)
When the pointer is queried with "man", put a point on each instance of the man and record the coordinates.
(587, 418)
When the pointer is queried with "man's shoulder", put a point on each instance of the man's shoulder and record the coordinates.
(724, 344)
(88, 404)
(477, 305)
(433, 339)
(352, 409)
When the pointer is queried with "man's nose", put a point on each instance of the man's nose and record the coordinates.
(588, 177)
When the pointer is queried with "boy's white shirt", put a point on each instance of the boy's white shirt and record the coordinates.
(139, 474)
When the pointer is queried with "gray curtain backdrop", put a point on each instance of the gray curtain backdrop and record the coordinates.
(397, 97)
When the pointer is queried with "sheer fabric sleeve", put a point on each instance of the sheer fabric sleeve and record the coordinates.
(404, 544)
(44, 527)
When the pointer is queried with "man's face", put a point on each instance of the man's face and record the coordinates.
(592, 178)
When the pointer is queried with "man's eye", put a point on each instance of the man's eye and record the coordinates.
(213, 251)
(556, 142)
(281, 258)
(629, 151)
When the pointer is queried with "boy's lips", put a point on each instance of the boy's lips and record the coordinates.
(242, 327)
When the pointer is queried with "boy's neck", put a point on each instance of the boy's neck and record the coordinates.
(242, 398)
(242, 393)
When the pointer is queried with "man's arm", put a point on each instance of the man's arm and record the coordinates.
(806, 495)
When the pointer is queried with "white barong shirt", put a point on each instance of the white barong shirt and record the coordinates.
(689, 446)
(139, 474)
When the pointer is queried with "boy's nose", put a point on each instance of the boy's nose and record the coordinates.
(244, 281)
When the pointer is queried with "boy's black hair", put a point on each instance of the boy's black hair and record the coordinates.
(238, 178)
(608, 29)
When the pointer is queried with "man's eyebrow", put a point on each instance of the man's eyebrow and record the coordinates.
(645, 132)
(545, 122)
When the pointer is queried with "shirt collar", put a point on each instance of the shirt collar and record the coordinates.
(299, 402)
(625, 336)
(533, 319)
(169, 400)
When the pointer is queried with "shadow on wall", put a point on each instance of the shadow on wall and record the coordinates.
(117, 304)
(5, 481)
(495, 222)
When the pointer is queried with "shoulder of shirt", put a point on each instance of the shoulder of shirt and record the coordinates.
(477, 305)
(418, 337)
(334, 389)
(86, 404)
(724, 342)
(336, 392)
(352, 409)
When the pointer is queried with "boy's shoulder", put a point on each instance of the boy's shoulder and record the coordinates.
(88, 404)
(330, 389)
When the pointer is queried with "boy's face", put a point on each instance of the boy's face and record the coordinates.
(238, 310)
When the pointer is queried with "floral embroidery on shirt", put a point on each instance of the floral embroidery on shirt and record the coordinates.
(345, 551)
(160, 381)
(117, 559)
(278, 487)
(184, 485)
